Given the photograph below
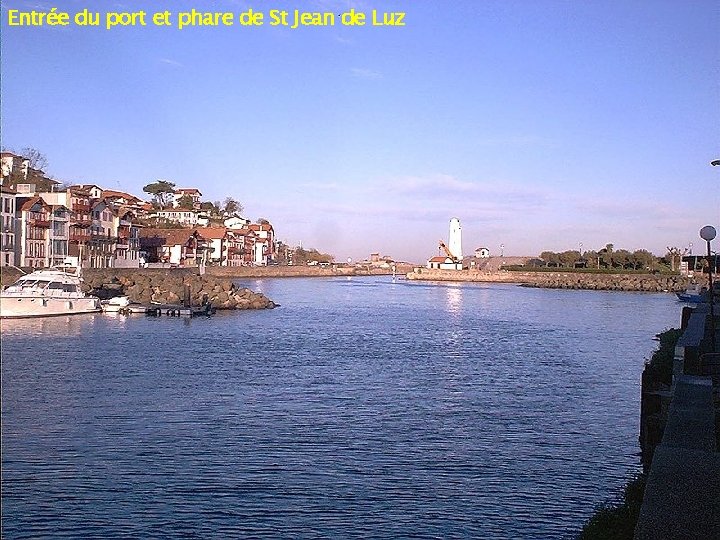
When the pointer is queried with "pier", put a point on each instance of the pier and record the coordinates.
(682, 495)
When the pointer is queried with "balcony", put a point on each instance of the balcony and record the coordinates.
(79, 237)
(40, 223)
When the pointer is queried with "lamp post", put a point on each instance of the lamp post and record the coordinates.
(708, 233)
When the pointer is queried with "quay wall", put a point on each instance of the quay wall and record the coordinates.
(559, 280)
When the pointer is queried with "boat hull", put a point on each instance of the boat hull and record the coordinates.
(691, 298)
(17, 307)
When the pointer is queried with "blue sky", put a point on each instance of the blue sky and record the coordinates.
(539, 124)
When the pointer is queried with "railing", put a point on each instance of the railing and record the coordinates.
(79, 237)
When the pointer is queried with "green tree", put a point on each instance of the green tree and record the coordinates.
(606, 255)
(569, 258)
(643, 259)
(210, 208)
(551, 258)
(186, 202)
(623, 258)
(162, 192)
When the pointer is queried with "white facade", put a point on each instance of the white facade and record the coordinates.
(58, 235)
(193, 193)
(12, 163)
(186, 217)
(7, 228)
(236, 222)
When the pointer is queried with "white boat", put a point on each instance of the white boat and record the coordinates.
(115, 305)
(47, 292)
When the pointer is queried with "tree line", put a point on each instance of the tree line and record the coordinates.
(607, 257)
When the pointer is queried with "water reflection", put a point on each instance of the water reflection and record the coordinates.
(453, 297)
(61, 326)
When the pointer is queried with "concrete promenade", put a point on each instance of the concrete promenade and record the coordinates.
(682, 495)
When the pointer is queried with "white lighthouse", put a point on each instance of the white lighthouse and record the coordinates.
(455, 239)
(453, 257)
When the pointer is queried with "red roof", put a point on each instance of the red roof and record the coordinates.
(212, 233)
(167, 237)
(438, 259)
(32, 201)
(111, 193)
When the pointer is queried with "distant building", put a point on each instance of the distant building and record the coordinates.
(33, 226)
(127, 242)
(264, 248)
(14, 168)
(184, 247)
(189, 218)
(7, 226)
(482, 253)
(59, 231)
(193, 193)
(444, 263)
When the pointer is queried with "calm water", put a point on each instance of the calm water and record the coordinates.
(360, 408)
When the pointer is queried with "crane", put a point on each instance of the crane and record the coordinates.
(447, 251)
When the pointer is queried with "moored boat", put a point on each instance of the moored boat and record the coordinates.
(694, 294)
(45, 293)
(116, 304)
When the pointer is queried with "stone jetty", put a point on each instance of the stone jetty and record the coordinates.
(169, 287)
(559, 280)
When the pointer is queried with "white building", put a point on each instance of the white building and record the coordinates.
(193, 193)
(59, 231)
(7, 226)
(189, 218)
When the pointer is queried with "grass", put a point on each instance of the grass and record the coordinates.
(616, 521)
(660, 366)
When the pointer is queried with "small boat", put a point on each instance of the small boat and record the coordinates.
(115, 305)
(45, 293)
(694, 294)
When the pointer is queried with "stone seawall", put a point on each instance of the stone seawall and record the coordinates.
(559, 280)
(300, 271)
(171, 286)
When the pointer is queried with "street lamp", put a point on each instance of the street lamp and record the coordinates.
(708, 233)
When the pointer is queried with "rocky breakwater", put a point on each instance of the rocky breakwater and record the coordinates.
(560, 280)
(173, 287)
(608, 282)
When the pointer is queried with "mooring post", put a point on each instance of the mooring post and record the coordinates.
(187, 296)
